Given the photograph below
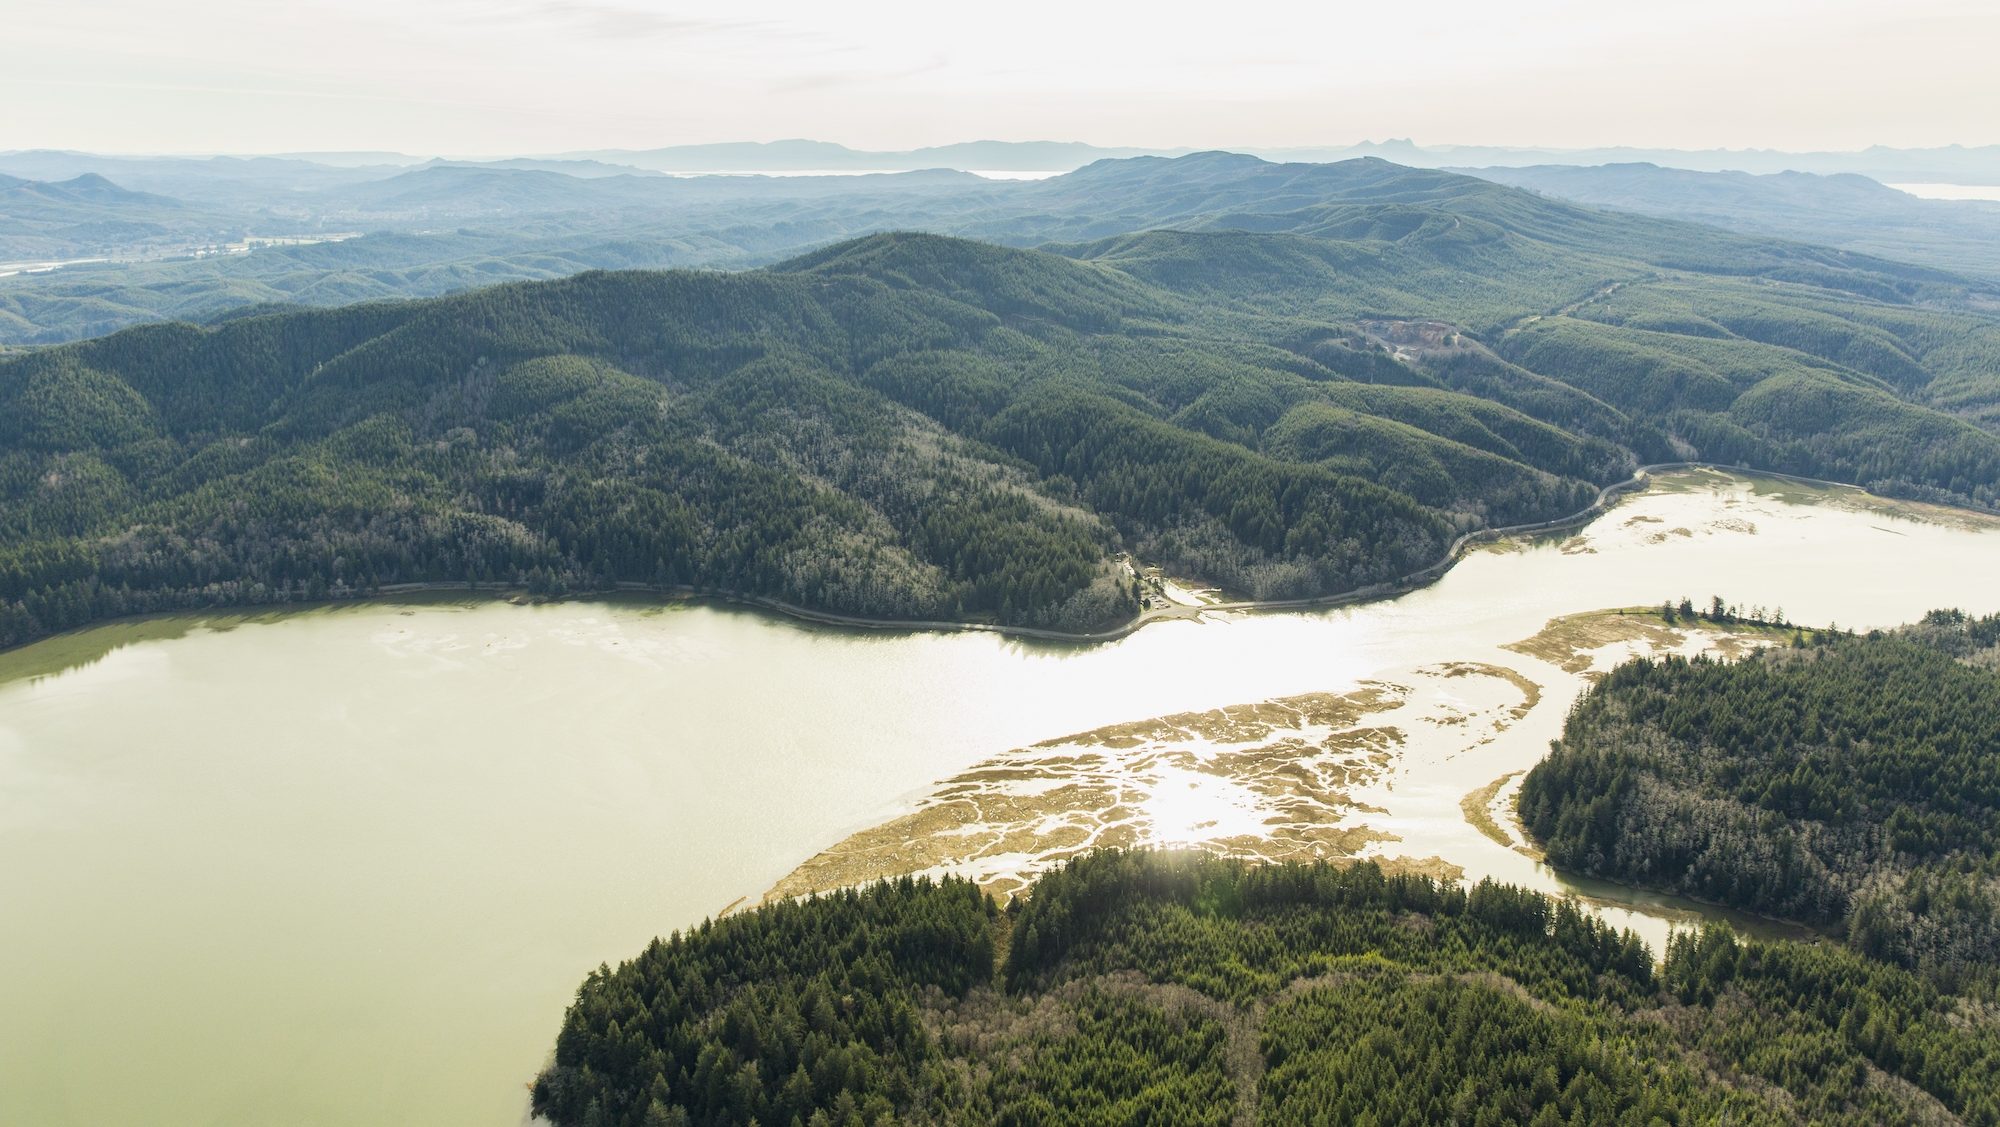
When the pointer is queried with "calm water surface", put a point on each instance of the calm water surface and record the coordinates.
(347, 866)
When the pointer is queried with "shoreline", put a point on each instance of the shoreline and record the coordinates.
(1606, 499)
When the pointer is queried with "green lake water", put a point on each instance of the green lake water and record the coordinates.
(347, 866)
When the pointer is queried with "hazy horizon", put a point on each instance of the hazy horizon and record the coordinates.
(1114, 144)
(493, 77)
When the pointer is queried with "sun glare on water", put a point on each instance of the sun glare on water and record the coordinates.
(1190, 807)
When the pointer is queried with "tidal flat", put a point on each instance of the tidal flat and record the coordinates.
(247, 859)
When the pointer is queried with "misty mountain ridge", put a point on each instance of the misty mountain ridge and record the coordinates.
(458, 225)
(1843, 210)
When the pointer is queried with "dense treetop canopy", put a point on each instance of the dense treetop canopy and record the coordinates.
(1184, 989)
(1319, 381)
(1853, 782)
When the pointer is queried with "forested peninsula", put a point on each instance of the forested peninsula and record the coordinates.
(1845, 782)
(1849, 782)
(1313, 387)
(1194, 990)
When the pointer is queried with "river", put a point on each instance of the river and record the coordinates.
(348, 865)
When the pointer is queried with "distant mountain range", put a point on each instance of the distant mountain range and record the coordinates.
(1844, 210)
(1950, 164)
(435, 226)
(799, 156)
(43, 219)
(218, 180)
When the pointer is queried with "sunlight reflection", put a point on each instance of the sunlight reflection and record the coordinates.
(1189, 807)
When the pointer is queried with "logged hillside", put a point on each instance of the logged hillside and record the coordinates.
(1140, 988)
(1852, 783)
(1292, 401)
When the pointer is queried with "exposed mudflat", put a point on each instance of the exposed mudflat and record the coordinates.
(1377, 770)
(388, 839)
(1294, 778)
(1846, 497)
(1480, 814)
(1593, 642)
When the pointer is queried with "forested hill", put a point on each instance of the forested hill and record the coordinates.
(1853, 783)
(1134, 988)
(912, 428)
(1287, 403)
(448, 227)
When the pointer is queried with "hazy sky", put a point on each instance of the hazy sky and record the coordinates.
(466, 77)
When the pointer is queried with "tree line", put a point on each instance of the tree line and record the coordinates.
(1848, 781)
(1183, 988)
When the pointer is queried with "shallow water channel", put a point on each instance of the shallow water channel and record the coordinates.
(348, 865)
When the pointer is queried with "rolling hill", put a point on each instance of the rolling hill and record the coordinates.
(1287, 400)
(87, 214)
